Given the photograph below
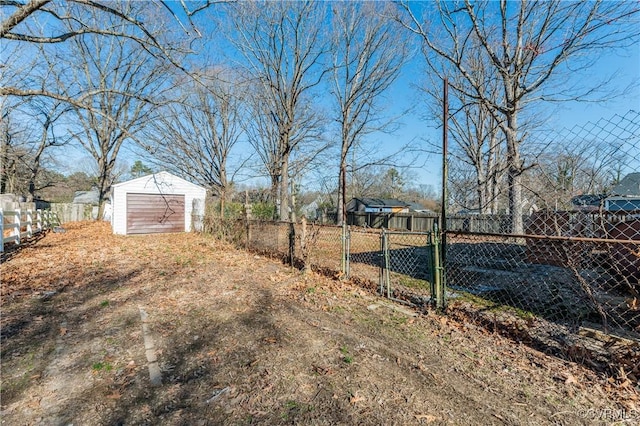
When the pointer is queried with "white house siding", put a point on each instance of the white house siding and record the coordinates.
(160, 183)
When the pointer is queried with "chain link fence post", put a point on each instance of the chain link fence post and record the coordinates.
(438, 269)
(348, 254)
(343, 254)
(292, 244)
(386, 264)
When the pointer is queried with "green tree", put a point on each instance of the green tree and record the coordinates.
(392, 184)
(140, 169)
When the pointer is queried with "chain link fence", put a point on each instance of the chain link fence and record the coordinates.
(319, 247)
(407, 266)
(576, 264)
(365, 256)
(573, 270)
(399, 265)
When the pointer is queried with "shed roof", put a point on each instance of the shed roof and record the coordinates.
(629, 186)
(160, 177)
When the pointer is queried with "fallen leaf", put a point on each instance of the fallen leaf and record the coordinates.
(355, 399)
(322, 370)
(570, 380)
(426, 417)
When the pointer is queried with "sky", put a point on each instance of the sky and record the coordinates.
(405, 101)
(415, 127)
(425, 132)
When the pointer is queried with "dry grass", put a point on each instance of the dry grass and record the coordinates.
(242, 339)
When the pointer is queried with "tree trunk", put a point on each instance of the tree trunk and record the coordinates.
(492, 174)
(273, 193)
(223, 196)
(481, 182)
(103, 185)
(284, 189)
(514, 175)
(342, 189)
(293, 204)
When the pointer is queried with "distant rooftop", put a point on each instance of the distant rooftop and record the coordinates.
(86, 197)
(629, 186)
(383, 202)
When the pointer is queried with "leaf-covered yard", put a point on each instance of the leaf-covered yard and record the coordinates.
(242, 339)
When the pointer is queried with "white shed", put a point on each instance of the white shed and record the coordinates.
(155, 203)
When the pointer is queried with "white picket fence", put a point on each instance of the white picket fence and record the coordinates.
(16, 225)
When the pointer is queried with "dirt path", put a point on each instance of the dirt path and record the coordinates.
(240, 339)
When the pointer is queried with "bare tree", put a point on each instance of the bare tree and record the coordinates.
(194, 137)
(282, 45)
(44, 114)
(478, 144)
(27, 136)
(531, 46)
(263, 134)
(20, 19)
(24, 21)
(571, 166)
(124, 87)
(475, 135)
(368, 54)
(28, 23)
(11, 134)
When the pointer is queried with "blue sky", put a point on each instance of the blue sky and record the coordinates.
(415, 127)
(624, 66)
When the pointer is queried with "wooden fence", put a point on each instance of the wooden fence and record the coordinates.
(398, 221)
(423, 222)
(74, 212)
(16, 225)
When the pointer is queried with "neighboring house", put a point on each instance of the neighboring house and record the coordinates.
(419, 208)
(377, 205)
(625, 196)
(319, 208)
(90, 200)
(87, 197)
(588, 202)
(312, 210)
(157, 203)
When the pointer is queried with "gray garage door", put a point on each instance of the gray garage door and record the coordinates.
(153, 213)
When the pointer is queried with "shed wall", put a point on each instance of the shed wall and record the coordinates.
(160, 183)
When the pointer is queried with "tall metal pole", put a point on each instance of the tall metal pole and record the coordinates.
(445, 176)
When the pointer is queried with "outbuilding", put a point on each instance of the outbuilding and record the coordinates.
(156, 203)
(377, 205)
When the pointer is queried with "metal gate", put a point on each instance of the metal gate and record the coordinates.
(406, 266)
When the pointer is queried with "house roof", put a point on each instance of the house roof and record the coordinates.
(417, 207)
(629, 186)
(382, 202)
(588, 200)
(86, 197)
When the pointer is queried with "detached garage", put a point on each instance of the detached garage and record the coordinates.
(156, 203)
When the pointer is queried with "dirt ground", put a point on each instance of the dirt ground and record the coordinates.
(90, 319)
